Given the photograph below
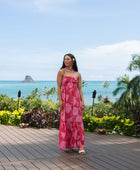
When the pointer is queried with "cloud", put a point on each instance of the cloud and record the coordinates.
(107, 62)
(51, 5)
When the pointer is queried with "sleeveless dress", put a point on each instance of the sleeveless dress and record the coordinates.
(71, 130)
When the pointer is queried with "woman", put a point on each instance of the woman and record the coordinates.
(71, 103)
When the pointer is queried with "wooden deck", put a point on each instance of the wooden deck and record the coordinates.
(31, 148)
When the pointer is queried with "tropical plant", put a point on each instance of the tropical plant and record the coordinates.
(106, 85)
(126, 96)
(135, 63)
(30, 102)
(7, 103)
(49, 105)
(11, 118)
(41, 119)
(84, 84)
(49, 92)
(110, 123)
(99, 97)
(106, 100)
(130, 97)
(100, 109)
(134, 85)
(36, 93)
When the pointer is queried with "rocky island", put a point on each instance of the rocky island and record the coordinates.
(28, 79)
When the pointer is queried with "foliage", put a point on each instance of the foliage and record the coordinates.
(7, 103)
(135, 63)
(31, 102)
(110, 123)
(106, 100)
(84, 84)
(49, 105)
(49, 92)
(11, 118)
(36, 93)
(87, 110)
(99, 109)
(106, 84)
(120, 110)
(99, 97)
(130, 97)
(41, 119)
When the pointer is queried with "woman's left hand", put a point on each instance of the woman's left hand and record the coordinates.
(83, 106)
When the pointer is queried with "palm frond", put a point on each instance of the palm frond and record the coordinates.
(118, 90)
(135, 63)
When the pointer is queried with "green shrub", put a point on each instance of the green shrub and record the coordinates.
(30, 102)
(110, 123)
(11, 118)
(7, 103)
(99, 109)
(49, 105)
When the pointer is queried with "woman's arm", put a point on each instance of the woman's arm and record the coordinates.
(80, 91)
(59, 80)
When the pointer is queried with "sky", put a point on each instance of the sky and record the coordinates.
(36, 34)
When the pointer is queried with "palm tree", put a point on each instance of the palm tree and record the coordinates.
(84, 84)
(135, 63)
(36, 93)
(99, 97)
(134, 84)
(48, 92)
(128, 93)
(106, 85)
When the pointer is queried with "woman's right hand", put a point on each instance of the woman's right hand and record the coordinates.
(61, 104)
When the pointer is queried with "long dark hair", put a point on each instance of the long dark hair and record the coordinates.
(74, 66)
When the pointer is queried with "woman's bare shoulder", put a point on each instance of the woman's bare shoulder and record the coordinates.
(61, 71)
(79, 75)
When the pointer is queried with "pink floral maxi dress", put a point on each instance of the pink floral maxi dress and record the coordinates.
(71, 130)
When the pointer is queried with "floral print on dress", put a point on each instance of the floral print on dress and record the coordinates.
(71, 130)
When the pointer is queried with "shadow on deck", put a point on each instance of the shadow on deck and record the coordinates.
(32, 148)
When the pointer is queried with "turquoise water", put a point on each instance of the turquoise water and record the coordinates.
(11, 88)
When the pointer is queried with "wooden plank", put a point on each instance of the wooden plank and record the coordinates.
(36, 147)
(32, 148)
(40, 165)
(81, 163)
(30, 166)
(9, 167)
(12, 148)
(3, 158)
(8, 154)
(128, 162)
(1, 168)
(101, 161)
(19, 166)
(93, 163)
(114, 162)
(50, 164)
(70, 163)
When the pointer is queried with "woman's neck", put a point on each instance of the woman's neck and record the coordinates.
(69, 69)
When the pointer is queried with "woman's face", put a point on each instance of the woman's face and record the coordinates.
(68, 61)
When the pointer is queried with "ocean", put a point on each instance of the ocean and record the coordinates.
(11, 88)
